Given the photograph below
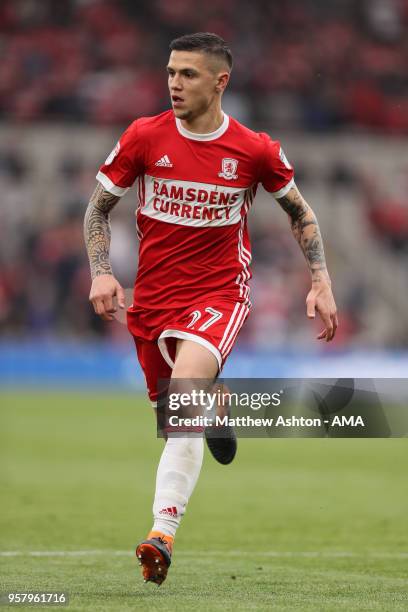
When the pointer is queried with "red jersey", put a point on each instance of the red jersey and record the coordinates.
(194, 193)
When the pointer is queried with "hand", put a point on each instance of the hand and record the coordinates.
(320, 298)
(103, 290)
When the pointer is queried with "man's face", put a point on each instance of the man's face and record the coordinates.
(194, 81)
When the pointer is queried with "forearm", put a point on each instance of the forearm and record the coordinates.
(307, 233)
(97, 230)
(306, 230)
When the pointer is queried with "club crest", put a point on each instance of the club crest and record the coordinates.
(228, 169)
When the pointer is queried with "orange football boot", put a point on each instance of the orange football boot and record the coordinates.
(154, 555)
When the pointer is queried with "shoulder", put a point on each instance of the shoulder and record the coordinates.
(257, 142)
(144, 126)
(144, 130)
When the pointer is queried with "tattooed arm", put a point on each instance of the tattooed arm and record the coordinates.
(306, 230)
(97, 234)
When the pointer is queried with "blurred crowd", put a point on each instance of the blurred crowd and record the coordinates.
(44, 272)
(308, 64)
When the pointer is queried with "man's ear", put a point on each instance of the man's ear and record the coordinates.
(222, 81)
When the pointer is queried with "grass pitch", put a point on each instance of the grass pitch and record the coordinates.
(292, 524)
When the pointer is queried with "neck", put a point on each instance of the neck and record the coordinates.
(204, 124)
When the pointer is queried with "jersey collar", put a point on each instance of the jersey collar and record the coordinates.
(210, 136)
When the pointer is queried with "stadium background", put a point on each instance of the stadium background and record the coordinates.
(328, 78)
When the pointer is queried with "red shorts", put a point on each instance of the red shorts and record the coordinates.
(214, 324)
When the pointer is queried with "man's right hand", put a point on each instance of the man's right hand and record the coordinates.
(104, 288)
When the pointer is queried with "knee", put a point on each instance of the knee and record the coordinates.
(188, 447)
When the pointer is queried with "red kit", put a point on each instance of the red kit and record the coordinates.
(194, 193)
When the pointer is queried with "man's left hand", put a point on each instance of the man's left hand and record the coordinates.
(320, 298)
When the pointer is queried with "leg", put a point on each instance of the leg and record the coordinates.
(181, 460)
(194, 361)
(178, 470)
(202, 348)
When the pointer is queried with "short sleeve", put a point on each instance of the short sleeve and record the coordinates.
(276, 175)
(124, 164)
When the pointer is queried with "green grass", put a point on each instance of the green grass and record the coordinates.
(292, 524)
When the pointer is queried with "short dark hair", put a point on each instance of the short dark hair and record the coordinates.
(204, 42)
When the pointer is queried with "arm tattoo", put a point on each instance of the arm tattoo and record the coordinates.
(306, 230)
(97, 231)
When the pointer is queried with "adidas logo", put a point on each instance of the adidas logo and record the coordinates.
(170, 511)
(164, 162)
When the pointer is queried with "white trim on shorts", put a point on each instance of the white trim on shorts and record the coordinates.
(233, 328)
(182, 335)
